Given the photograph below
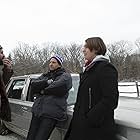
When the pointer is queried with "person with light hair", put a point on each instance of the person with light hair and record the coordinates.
(97, 98)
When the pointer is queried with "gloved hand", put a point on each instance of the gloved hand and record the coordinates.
(48, 82)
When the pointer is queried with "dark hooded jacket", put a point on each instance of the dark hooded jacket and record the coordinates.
(5, 111)
(93, 117)
(52, 88)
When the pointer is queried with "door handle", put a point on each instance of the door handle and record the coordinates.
(24, 108)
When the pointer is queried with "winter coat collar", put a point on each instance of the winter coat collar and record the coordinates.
(96, 59)
(54, 73)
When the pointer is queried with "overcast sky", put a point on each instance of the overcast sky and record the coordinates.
(65, 21)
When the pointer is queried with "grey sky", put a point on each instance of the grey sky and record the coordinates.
(65, 21)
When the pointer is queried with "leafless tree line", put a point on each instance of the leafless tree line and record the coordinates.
(32, 59)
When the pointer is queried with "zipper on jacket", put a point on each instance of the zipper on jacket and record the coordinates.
(89, 92)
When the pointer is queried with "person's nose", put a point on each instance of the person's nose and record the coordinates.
(50, 64)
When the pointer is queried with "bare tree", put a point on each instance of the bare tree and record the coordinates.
(118, 53)
(25, 59)
(30, 59)
(45, 54)
(71, 54)
(137, 42)
(73, 57)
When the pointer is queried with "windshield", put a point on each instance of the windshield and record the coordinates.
(73, 91)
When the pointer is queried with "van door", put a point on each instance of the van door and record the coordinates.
(15, 93)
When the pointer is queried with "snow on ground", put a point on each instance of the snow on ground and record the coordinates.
(129, 89)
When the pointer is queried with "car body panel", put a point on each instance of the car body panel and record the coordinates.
(126, 115)
(21, 107)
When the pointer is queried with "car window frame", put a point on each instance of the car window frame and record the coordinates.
(11, 86)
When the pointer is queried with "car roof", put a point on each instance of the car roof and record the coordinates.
(38, 74)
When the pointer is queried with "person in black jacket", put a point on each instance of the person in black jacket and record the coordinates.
(7, 71)
(93, 117)
(50, 107)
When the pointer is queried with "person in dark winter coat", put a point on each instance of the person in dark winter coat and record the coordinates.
(5, 112)
(50, 107)
(93, 117)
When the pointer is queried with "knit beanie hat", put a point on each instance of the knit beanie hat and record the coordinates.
(58, 58)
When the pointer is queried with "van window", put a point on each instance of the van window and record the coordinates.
(16, 88)
(31, 96)
(73, 91)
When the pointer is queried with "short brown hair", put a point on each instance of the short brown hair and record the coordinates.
(97, 44)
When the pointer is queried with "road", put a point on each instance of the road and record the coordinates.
(11, 136)
(128, 112)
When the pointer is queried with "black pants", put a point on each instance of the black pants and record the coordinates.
(40, 128)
